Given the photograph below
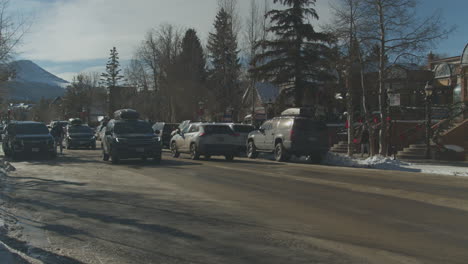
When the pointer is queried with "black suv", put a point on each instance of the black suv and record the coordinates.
(126, 139)
(28, 138)
(293, 133)
(79, 136)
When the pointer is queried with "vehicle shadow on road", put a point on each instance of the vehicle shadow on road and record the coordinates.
(29, 250)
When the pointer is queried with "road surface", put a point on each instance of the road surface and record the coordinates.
(79, 209)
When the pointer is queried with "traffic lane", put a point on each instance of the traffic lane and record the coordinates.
(129, 217)
(369, 219)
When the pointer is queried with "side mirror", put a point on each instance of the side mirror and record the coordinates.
(157, 132)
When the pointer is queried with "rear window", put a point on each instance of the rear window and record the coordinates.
(80, 129)
(243, 129)
(31, 129)
(217, 130)
(309, 125)
(133, 127)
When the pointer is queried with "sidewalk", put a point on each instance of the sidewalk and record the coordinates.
(386, 163)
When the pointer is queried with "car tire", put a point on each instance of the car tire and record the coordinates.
(280, 153)
(93, 147)
(314, 158)
(252, 152)
(229, 157)
(194, 154)
(207, 157)
(52, 155)
(174, 151)
(105, 156)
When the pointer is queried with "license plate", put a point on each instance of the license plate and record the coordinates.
(35, 149)
(312, 139)
(140, 150)
(83, 142)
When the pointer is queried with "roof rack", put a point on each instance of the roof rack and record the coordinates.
(299, 111)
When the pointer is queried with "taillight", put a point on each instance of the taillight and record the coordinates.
(236, 135)
(202, 134)
(291, 134)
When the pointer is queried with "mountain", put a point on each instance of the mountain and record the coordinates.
(30, 82)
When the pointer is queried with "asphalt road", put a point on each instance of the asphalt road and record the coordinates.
(79, 209)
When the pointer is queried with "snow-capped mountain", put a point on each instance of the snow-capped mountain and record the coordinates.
(28, 71)
(30, 82)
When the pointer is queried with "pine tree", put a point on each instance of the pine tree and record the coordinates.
(296, 59)
(223, 53)
(112, 76)
(191, 67)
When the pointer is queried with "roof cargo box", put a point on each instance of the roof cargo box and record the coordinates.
(128, 114)
(304, 111)
(75, 121)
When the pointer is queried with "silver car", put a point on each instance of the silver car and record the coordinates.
(205, 139)
(242, 133)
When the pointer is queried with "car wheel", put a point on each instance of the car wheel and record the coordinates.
(105, 156)
(229, 157)
(207, 157)
(194, 154)
(93, 147)
(252, 150)
(315, 158)
(280, 153)
(174, 151)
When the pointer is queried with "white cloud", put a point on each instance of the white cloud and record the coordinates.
(86, 29)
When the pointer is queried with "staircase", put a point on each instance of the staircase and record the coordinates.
(342, 147)
(414, 152)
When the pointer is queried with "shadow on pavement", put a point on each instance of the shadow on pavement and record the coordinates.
(44, 255)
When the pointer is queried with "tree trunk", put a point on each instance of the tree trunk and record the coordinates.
(382, 88)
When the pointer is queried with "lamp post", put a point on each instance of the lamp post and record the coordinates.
(428, 91)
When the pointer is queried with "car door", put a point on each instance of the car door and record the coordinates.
(180, 139)
(259, 139)
(189, 136)
(270, 134)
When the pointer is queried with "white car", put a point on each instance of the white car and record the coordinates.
(242, 130)
(207, 139)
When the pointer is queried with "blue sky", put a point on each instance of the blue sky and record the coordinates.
(72, 36)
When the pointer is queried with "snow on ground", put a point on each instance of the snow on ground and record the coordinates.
(385, 163)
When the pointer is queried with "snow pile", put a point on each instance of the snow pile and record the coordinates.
(336, 159)
(385, 163)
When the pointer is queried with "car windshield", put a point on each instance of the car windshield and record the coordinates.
(31, 129)
(80, 129)
(243, 128)
(129, 127)
(217, 129)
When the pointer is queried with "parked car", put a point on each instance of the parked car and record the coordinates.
(165, 131)
(205, 139)
(242, 133)
(77, 136)
(293, 133)
(127, 138)
(62, 123)
(2, 128)
(28, 138)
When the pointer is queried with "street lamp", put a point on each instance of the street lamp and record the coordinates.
(428, 91)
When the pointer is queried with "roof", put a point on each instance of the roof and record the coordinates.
(26, 122)
(267, 92)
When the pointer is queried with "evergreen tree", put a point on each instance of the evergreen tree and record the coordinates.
(112, 76)
(224, 74)
(191, 69)
(296, 59)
